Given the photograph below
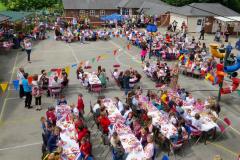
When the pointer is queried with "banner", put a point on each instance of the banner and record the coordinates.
(98, 58)
(15, 84)
(115, 52)
(74, 65)
(49, 73)
(67, 69)
(59, 70)
(4, 86)
(93, 60)
(128, 46)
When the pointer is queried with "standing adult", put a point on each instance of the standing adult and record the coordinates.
(28, 48)
(227, 33)
(37, 92)
(126, 82)
(20, 77)
(174, 24)
(27, 91)
(202, 32)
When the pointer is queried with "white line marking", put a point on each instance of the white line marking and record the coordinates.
(21, 146)
(12, 98)
(235, 130)
(73, 53)
(10, 81)
(128, 54)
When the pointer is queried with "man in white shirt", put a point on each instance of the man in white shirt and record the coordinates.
(190, 100)
(96, 106)
(127, 111)
(196, 122)
(119, 105)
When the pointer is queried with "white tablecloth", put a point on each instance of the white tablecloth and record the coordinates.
(158, 118)
(92, 78)
(130, 143)
(70, 146)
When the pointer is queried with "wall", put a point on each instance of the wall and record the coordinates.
(164, 20)
(178, 18)
(192, 24)
(76, 13)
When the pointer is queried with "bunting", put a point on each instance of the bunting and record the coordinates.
(74, 65)
(67, 69)
(98, 58)
(4, 86)
(115, 52)
(15, 84)
(93, 60)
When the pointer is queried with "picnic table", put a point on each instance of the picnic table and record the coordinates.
(159, 119)
(130, 143)
(68, 133)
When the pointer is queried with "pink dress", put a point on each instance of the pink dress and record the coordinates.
(143, 53)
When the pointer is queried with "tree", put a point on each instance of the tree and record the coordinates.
(28, 5)
(233, 4)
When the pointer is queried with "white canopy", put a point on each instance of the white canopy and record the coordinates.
(229, 19)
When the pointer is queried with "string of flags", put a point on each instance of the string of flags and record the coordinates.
(15, 83)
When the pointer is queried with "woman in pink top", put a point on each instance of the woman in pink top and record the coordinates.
(143, 52)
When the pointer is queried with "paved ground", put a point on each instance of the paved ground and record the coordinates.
(20, 136)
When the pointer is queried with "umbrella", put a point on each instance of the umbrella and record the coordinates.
(152, 28)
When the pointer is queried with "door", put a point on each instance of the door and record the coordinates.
(199, 24)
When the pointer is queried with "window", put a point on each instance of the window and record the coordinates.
(82, 12)
(92, 12)
(102, 12)
(125, 11)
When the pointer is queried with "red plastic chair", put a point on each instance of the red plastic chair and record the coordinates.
(227, 121)
(96, 88)
(223, 128)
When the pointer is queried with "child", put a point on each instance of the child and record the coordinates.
(80, 105)
(143, 53)
(62, 101)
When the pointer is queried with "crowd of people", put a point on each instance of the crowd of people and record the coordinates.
(167, 120)
(38, 84)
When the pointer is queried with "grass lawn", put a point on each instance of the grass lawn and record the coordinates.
(2, 7)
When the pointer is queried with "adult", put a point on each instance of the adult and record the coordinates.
(103, 78)
(174, 24)
(27, 91)
(202, 32)
(227, 34)
(28, 48)
(37, 92)
(126, 82)
(53, 140)
(237, 45)
(20, 77)
(149, 148)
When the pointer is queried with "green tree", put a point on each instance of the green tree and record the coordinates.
(28, 5)
(233, 4)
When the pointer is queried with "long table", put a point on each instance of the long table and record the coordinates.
(159, 119)
(130, 143)
(207, 124)
(69, 144)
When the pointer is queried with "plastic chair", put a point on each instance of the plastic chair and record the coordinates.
(165, 157)
(96, 88)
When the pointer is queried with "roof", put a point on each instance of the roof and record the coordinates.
(194, 9)
(134, 3)
(90, 4)
(3, 18)
(152, 8)
(206, 9)
(228, 19)
(15, 16)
